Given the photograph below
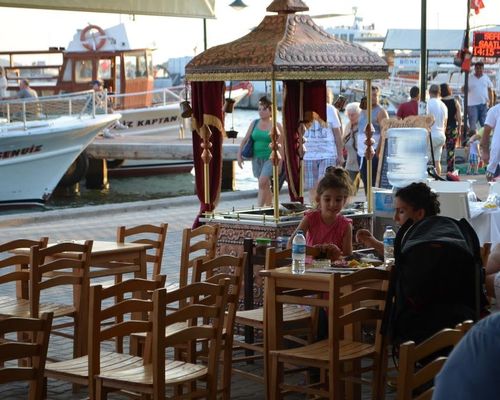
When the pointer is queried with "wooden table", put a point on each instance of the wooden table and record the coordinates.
(102, 256)
(276, 281)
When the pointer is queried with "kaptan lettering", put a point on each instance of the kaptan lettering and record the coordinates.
(154, 121)
(20, 152)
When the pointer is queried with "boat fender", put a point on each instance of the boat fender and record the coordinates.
(76, 172)
(92, 40)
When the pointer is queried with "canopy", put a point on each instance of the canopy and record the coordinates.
(173, 8)
(288, 47)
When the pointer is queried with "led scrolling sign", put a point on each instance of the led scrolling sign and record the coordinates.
(486, 44)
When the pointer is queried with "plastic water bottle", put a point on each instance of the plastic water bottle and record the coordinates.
(299, 253)
(389, 236)
(406, 156)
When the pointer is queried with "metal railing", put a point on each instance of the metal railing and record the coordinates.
(47, 108)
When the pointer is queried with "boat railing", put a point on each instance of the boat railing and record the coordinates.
(50, 107)
(151, 98)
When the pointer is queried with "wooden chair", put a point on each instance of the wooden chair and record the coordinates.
(213, 271)
(152, 378)
(198, 243)
(411, 378)
(339, 357)
(301, 320)
(35, 349)
(44, 283)
(15, 270)
(134, 294)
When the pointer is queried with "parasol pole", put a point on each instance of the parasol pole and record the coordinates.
(369, 150)
(275, 155)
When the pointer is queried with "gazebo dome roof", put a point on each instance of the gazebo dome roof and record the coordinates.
(286, 46)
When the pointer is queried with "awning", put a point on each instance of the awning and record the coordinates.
(174, 8)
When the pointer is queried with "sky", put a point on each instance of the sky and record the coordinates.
(26, 29)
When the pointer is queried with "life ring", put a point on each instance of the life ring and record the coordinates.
(88, 37)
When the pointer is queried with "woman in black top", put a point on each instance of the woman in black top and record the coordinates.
(453, 125)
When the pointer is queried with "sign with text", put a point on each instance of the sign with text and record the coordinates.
(486, 44)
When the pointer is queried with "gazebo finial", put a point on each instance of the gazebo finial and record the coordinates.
(287, 6)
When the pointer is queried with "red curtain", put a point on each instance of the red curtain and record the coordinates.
(314, 101)
(207, 101)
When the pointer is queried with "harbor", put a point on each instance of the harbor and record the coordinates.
(343, 253)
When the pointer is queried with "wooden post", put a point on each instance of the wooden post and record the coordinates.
(275, 154)
(97, 174)
(369, 146)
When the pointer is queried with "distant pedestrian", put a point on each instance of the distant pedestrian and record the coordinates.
(438, 110)
(473, 158)
(378, 115)
(480, 96)
(410, 107)
(453, 125)
(491, 157)
(350, 137)
(25, 91)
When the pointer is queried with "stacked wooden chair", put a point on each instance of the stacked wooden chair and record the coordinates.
(224, 267)
(136, 303)
(410, 377)
(182, 376)
(74, 259)
(35, 349)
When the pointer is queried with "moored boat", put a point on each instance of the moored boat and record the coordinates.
(40, 139)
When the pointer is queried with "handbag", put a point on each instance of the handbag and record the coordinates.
(247, 150)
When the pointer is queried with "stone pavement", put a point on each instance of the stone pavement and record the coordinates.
(99, 223)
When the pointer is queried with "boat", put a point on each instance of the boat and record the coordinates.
(123, 62)
(40, 139)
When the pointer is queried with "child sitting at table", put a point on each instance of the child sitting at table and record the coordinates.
(325, 227)
(413, 202)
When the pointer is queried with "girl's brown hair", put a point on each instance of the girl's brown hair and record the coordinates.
(336, 178)
(264, 101)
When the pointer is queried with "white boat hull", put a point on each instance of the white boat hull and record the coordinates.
(158, 120)
(33, 160)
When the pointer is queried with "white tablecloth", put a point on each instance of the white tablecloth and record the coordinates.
(486, 223)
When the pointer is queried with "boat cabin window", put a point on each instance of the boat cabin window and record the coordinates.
(135, 66)
(83, 71)
(104, 70)
(150, 65)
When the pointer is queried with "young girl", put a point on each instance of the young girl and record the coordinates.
(326, 227)
(412, 203)
(473, 166)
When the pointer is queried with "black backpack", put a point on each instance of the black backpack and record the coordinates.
(437, 281)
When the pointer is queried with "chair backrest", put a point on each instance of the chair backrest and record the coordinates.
(224, 267)
(194, 315)
(35, 349)
(72, 257)
(356, 299)
(198, 243)
(278, 258)
(17, 263)
(110, 320)
(410, 354)
(155, 235)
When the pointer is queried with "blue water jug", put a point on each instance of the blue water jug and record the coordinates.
(406, 156)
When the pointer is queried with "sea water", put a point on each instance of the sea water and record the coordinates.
(159, 186)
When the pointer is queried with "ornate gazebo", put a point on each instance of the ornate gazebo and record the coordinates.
(285, 46)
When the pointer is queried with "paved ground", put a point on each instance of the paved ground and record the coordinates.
(99, 223)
